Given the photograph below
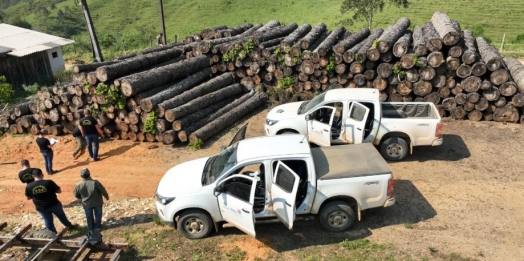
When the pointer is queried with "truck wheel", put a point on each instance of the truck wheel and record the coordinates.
(337, 216)
(394, 149)
(194, 224)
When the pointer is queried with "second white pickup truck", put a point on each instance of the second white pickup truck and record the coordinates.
(268, 179)
(352, 116)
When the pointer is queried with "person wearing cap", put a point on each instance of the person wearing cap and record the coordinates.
(46, 149)
(90, 129)
(91, 191)
(26, 174)
(81, 143)
(43, 193)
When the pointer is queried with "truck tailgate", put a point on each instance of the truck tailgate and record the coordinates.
(345, 161)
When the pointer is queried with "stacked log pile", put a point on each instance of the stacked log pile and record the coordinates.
(191, 90)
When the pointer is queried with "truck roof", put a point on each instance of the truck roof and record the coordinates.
(272, 146)
(348, 93)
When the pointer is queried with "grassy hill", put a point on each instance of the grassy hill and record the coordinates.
(140, 19)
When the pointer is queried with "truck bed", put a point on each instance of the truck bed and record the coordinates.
(408, 110)
(346, 161)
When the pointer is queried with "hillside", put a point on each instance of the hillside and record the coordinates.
(139, 19)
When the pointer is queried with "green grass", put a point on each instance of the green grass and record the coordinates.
(140, 19)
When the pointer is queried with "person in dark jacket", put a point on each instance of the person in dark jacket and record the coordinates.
(43, 193)
(26, 174)
(90, 130)
(91, 191)
(46, 149)
(81, 143)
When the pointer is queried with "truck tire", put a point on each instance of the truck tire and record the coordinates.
(394, 149)
(194, 224)
(337, 216)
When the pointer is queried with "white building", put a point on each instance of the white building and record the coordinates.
(27, 56)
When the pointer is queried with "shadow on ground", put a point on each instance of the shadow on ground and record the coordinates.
(452, 149)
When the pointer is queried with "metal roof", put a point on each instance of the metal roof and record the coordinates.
(23, 41)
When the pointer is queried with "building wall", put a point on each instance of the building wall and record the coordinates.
(56, 59)
(30, 69)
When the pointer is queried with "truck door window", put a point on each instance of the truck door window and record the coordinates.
(357, 113)
(300, 168)
(257, 171)
(238, 189)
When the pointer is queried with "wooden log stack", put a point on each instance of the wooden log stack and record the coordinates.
(223, 73)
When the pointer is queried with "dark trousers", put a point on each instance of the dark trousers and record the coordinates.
(47, 215)
(94, 217)
(48, 159)
(92, 145)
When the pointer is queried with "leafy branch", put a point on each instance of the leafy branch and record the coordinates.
(149, 124)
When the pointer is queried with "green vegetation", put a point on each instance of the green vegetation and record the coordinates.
(285, 83)
(366, 10)
(331, 65)
(126, 26)
(149, 125)
(195, 145)
(6, 90)
(239, 52)
(397, 69)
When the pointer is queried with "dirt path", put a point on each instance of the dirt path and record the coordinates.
(463, 197)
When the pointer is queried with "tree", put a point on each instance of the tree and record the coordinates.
(6, 90)
(365, 10)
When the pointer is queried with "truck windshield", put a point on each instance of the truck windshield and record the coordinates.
(218, 165)
(307, 106)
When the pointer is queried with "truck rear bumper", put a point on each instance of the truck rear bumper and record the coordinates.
(390, 202)
(438, 141)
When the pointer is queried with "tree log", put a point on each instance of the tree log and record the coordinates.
(402, 45)
(432, 37)
(361, 55)
(517, 71)
(489, 54)
(449, 103)
(312, 36)
(190, 119)
(471, 84)
(169, 137)
(458, 113)
(407, 61)
(274, 33)
(88, 67)
(203, 101)
(445, 28)
(508, 89)
(518, 100)
(388, 38)
(331, 40)
(351, 41)
(293, 37)
(270, 43)
(419, 43)
(475, 115)
(223, 121)
(499, 76)
(113, 71)
(508, 113)
(491, 95)
(384, 70)
(427, 73)
(501, 102)
(464, 71)
(422, 88)
(22, 109)
(435, 59)
(452, 63)
(470, 53)
(478, 69)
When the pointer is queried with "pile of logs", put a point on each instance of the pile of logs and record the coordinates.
(198, 87)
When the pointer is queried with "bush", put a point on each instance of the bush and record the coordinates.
(6, 90)
(519, 39)
(63, 76)
(31, 89)
(477, 30)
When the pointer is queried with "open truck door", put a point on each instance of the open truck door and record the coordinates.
(236, 195)
(319, 125)
(284, 193)
(356, 123)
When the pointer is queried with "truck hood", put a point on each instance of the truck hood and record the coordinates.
(185, 178)
(284, 111)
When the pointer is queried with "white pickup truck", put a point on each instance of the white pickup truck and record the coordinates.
(267, 179)
(352, 116)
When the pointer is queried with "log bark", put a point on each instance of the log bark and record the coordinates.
(190, 119)
(331, 40)
(517, 71)
(203, 101)
(470, 53)
(223, 121)
(351, 41)
(419, 43)
(293, 37)
(402, 45)
(140, 82)
(88, 67)
(489, 54)
(312, 36)
(270, 43)
(368, 43)
(274, 33)
(432, 37)
(388, 38)
(125, 67)
(22, 109)
(169, 137)
(198, 91)
(445, 28)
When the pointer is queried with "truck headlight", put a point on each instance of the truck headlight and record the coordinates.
(164, 200)
(271, 122)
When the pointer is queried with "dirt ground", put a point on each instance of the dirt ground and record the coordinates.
(463, 197)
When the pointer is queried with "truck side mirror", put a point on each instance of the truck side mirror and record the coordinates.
(308, 117)
(217, 191)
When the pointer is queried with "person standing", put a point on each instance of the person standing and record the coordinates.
(90, 129)
(26, 174)
(43, 193)
(46, 149)
(81, 143)
(91, 191)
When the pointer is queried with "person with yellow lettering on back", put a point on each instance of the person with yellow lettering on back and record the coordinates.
(43, 193)
(89, 128)
(26, 174)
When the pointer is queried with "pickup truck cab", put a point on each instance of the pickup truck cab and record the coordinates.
(268, 179)
(353, 116)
